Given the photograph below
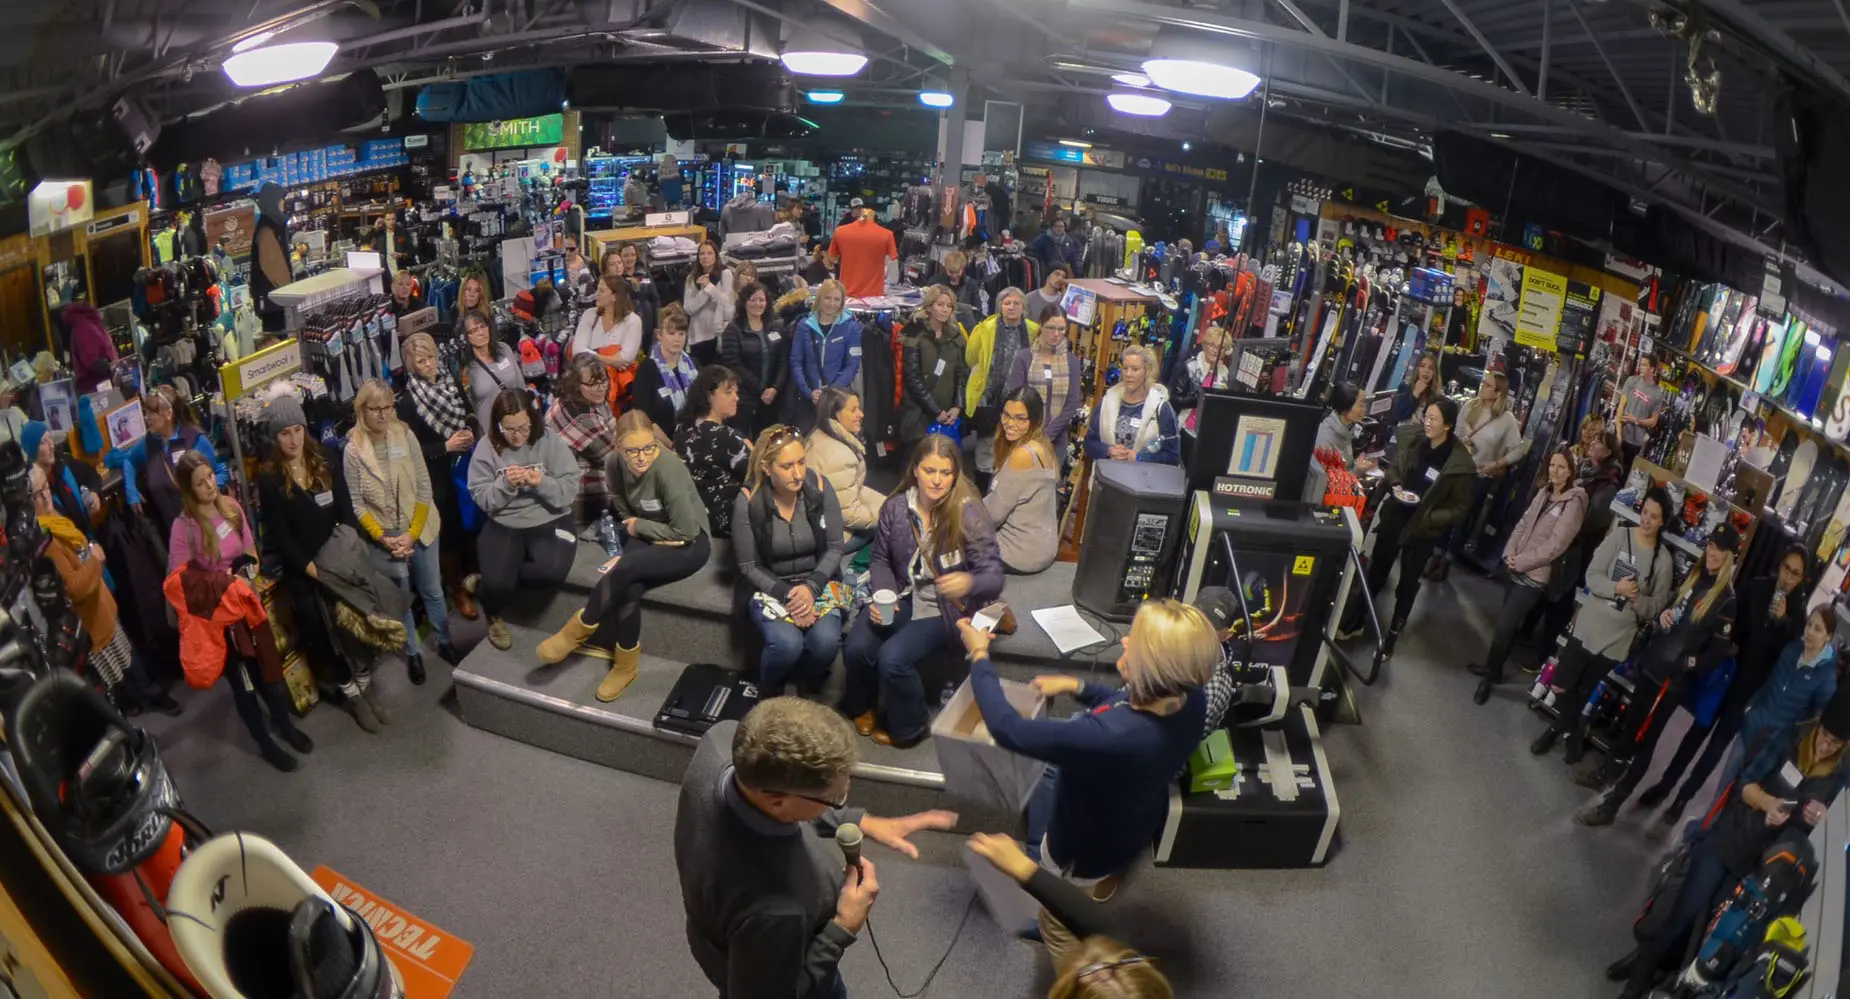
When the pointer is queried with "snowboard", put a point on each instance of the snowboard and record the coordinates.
(1827, 485)
(1709, 302)
(1788, 359)
(1739, 335)
(1813, 391)
(1768, 364)
(1798, 476)
(1833, 535)
(1836, 402)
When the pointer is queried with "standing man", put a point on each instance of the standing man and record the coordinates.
(1640, 407)
(1052, 292)
(1053, 247)
(771, 906)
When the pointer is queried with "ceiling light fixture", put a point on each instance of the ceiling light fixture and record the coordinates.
(1142, 105)
(269, 65)
(935, 93)
(253, 41)
(1131, 79)
(1076, 143)
(1190, 63)
(826, 96)
(826, 48)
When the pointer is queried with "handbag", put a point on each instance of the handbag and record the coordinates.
(465, 502)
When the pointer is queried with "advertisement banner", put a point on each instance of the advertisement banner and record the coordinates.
(232, 226)
(1496, 320)
(428, 959)
(1578, 318)
(515, 133)
(1539, 318)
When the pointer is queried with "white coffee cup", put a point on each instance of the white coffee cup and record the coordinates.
(885, 603)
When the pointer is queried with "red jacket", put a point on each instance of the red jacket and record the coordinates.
(213, 607)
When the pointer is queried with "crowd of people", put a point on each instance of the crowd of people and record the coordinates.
(1756, 672)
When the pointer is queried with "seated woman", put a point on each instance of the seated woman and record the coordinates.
(838, 454)
(303, 501)
(392, 501)
(935, 549)
(935, 373)
(147, 465)
(1051, 368)
(525, 482)
(1543, 535)
(1133, 422)
(432, 406)
(611, 332)
(490, 367)
(213, 534)
(580, 418)
(1023, 497)
(666, 539)
(665, 375)
(755, 348)
(79, 561)
(74, 485)
(1106, 789)
(790, 550)
(717, 455)
(1348, 407)
(1786, 791)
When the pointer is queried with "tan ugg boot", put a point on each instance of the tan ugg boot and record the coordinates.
(623, 666)
(566, 640)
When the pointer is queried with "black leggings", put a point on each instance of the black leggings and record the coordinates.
(248, 687)
(1712, 740)
(1517, 603)
(615, 607)
(1412, 558)
(523, 558)
(311, 630)
(1577, 672)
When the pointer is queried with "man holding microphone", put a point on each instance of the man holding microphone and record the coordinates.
(771, 903)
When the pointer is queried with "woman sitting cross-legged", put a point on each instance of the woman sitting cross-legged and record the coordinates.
(666, 540)
(1023, 496)
(1106, 789)
(789, 545)
(935, 549)
(525, 481)
(717, 454)
(580, 417)
(838, 454)
(211, 540)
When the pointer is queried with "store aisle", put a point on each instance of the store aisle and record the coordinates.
(1460, 863)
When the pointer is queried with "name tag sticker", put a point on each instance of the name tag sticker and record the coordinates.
(563, 535)
(652, 505)
(1790, 774)
(854, 352)
(324, 499)
(175, 456)
(663, 392)
(1432, 475)
(938, 370)
(773, 337)
(950, 560)
(1047, 373)
(395, 451)
(222, 529)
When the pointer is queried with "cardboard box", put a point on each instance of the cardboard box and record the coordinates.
(975, 769)
(1212, 767)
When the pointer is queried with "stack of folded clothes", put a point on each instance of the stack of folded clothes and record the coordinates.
(670, 250)
(781, 240)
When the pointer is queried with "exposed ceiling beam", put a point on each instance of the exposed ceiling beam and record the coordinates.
(1484, 43)
(1738, 19)
(1617, 77)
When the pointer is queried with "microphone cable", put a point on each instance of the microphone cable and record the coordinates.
(969, 907)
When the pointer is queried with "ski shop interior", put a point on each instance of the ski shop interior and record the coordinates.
(1599, 226)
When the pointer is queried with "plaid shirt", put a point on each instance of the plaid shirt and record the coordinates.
(592, 436)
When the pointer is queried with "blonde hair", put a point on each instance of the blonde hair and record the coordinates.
(1724, 581)
(190, 463)
(373, 388)
(928, 298)
(1149, 360)
(1218, 336)
(827, 287)
(763, 453)
(1172, 648)
(637, 422)
(1475, 407)
(1114, 971)
(788, 744)
(956, 260)
(418, 345)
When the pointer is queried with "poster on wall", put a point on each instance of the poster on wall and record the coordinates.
(60, 401)
(232, 227)
(1578, 316)
(58, 204)
(1539, 318)
(515, 133)
(125, 425)
(1496, 320)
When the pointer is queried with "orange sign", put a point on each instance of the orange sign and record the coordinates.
(428, 959)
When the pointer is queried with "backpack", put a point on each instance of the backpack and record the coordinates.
(1777, 888)
(1666, 885)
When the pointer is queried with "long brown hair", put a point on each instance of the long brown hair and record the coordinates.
(226, 507)
(1036, 437)
(585, 369)
(712, 275)
(319, 479)
(947, 520)
(620, 290)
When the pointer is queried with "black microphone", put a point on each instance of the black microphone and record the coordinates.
(848, 837)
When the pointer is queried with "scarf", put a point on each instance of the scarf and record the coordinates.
(1049, 368)
(677, 376)
(64, 529)
(1009, 339)
(439, 403)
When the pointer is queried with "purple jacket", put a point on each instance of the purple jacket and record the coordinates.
(92, 351)
(894, 547)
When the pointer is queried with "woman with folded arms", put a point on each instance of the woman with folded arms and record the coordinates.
(789, 546)
(525, 481)
(709, 299)
(1133, 422)
(755, 348)
(934, 368)
(838, 454)
(1023, 496)
(934, 548)
(1050, 367)
(665, 540)
(717, 455)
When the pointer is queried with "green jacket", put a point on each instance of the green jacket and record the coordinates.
(664, 501)
(1448, 500)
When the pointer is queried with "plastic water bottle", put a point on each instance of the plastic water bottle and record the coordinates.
(607, 535)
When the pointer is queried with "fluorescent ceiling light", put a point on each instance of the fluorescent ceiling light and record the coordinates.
(253, 41)
(825, 96)
(270, 65)
(936, 99)
(1144, 105)
(813, 51)
(1131, 79)
(1190, 63)
(1076, 144)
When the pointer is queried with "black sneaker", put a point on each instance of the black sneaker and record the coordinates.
(1621, 969)
(275, 756)
(1477, 669)
(1653, 796)
(1600, 813)
(164, 704)
(448, 653)
(415, 667)
(1484, 687)
(296, 738)
(1544, 742)
(1601, 777)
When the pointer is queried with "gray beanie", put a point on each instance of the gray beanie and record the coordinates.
(282, 413)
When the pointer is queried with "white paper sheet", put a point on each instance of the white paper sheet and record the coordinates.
(1068, 630)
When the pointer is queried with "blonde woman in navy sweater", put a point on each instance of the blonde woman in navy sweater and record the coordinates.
(1107, 785)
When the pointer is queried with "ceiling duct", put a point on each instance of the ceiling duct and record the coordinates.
(693, 87)
(493, 98)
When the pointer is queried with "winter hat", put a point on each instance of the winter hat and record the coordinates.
(29, 437)
(1836, 719)
(1726, 538)
(1220, 605)
(282, 413)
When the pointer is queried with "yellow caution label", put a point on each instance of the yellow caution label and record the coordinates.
(1303, 565)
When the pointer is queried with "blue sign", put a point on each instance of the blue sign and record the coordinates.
(1055, 152)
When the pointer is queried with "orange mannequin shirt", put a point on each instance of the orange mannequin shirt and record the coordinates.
(863, 247)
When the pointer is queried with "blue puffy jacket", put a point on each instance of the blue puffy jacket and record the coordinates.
(1794, 692)
(820, 358)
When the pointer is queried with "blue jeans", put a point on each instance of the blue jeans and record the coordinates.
(809, 652)
(422, 577)
(883, 666)
(1040, 809)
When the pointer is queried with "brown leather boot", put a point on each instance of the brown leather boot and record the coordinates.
(624, 664)
(566, 640)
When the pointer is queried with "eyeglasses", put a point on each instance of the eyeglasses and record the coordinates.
(1008, 417)
(645, 451)
(381, 410)
(839, 803)
(516, 429)
(1097, 968)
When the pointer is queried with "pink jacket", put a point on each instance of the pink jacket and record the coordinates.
(1544, 532)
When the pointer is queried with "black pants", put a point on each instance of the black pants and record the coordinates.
(1707, 880)
(1412, 557)
(1517, 603)
(1577, 672)
(523, 558)
(247, 688)
(1713, 740)
(615, 607)
(1646, 716)
(311, 630)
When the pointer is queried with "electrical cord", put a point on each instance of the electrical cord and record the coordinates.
(969, 907)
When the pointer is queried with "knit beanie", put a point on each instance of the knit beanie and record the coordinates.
(1836, 719)
(30, 436)
(282, 413)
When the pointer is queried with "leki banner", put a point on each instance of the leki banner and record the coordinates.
(429, 960)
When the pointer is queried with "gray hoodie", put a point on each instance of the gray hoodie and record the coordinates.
(528, 506)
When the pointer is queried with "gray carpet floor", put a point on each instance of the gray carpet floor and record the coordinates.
(1459, 865)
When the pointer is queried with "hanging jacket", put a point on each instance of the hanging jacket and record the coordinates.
(138, 561)
(214, 608)
(880, 388)
(368, 606)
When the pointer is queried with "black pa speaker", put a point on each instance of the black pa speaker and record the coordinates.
(1131, 524)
